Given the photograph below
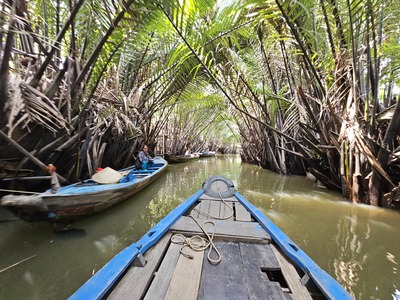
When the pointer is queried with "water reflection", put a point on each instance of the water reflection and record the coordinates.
(353, 243)
(358, 245)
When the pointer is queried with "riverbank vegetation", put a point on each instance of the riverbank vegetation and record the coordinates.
(303, 86)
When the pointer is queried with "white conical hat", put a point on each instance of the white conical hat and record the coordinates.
(107, 175)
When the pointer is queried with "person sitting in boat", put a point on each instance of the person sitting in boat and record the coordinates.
(143, 159)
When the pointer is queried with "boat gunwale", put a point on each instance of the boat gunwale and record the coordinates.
(100, 283)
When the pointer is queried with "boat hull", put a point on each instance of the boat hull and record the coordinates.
(173, 159)
(256, 258)
(78, 200)
(203, 155)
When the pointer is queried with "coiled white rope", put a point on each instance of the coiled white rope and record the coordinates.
(199, 243)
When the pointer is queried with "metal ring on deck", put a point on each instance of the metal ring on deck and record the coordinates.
(218, 186)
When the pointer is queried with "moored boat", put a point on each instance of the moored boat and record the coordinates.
(207, 154)
(179, 158)
(78, 200)
(215, 245)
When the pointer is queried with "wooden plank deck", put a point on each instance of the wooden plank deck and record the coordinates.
(206, 197)
(163, 276)
(202, 210)
(226, 211)
(211, 209)
(137, 279)
(255, 259)
(185, 281)
(241, 213)
(224, 230)
(225, 280)
(292, 277)
(215, 208)
(244, 272)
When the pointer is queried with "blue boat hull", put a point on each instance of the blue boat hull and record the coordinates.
(80, 200)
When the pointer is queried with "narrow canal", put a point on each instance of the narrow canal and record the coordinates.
(358, 245)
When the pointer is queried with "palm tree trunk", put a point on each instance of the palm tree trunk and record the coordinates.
(386, 148)
(5, 64)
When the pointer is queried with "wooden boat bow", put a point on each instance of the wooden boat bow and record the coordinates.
(257, 260)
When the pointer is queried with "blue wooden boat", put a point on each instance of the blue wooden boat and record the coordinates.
(172, 159)
(78, 200)
(215, 245)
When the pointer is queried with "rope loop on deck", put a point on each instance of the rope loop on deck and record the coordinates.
(198, 243)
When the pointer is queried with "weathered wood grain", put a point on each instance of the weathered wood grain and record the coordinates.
(226, 210)
(214, 210)
(210, 209)
(255, 257)
(136, 280)
(241, 213)
(185, 281)
(206, 197)
(292, 278)
(234, 230)
(204, 209)
(225, 280)
(159, 286)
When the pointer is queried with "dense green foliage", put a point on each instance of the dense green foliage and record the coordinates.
(302, 85)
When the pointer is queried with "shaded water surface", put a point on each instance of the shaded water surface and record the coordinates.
(358, 245)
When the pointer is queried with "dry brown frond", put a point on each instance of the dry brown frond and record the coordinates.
(27, 105)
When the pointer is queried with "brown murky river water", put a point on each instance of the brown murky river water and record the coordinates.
(358, 245)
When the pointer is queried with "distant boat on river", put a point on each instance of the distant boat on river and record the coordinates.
(180, 158)
(207, 154)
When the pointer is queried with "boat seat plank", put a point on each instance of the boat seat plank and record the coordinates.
(160, 283)
(241, 213)
(292, 278)
(136, 280)
(225, 280)
(256, 258)
(185, 281)
(206, 197)
(225, 230)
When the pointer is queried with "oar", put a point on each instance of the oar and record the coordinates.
(29, 155)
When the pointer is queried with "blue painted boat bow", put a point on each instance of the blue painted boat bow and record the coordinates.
(99, 285)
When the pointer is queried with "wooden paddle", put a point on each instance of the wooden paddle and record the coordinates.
(31, 157)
